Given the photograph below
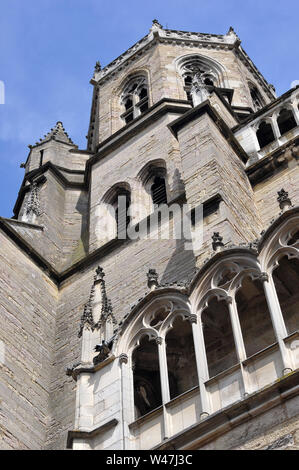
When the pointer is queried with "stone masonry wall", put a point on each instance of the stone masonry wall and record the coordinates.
(28, 314)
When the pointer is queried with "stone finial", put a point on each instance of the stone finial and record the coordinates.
(152, 279)
(97, 67)
(284, 200)
(156, 25)
(217, 241)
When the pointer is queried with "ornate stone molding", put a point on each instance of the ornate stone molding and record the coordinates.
(158, 32)
(33, 204)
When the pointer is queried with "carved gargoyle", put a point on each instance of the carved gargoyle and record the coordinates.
(104, 350)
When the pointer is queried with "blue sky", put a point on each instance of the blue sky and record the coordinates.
(49, 48)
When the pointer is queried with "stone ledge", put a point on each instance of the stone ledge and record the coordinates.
(76, 434)
(228, 418)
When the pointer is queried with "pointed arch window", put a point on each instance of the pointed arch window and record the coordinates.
(286, 121)
(265, 134)
(256, 97)
(121, 204)
(286, 281)
(134, 98)
(254, 316)
(218, 337)
(181, 362)
(195, 66)
(146, 376)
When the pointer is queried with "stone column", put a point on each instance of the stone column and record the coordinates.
(164, 383)
(201, 363)
(295, 112)
(239, 343)
(277, 319)
(275, 127)
(127, 410)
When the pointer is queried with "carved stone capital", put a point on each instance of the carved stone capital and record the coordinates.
(193, 318)
(228, 300)
(264, 277)
(159, 340)
(123, 358)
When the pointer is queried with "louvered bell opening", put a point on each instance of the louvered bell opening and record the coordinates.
(122, 218)
(159, 191)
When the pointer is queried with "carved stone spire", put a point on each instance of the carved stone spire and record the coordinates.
(32, 208)
(87, 316)
(106, 314)
(57, 133)
(284, 201)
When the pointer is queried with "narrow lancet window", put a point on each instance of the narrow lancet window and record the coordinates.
(158, 190)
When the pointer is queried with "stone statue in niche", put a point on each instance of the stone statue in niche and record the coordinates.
(199, 91)
(146, 395)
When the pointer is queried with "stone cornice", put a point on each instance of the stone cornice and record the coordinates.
(193, 39)
(91, 258)
(90, 434)
(271, 163)
(164, 35)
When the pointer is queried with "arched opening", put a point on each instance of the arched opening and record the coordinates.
(218, 337)
(143, 100)
(158, 191)
(134, 98)
(254, 316)
(265, 134)
(181, 362)
(286, 281)
(121, 203)
(146, 376)
(286, 121)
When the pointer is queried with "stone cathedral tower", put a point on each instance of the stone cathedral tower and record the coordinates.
(111, 341)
